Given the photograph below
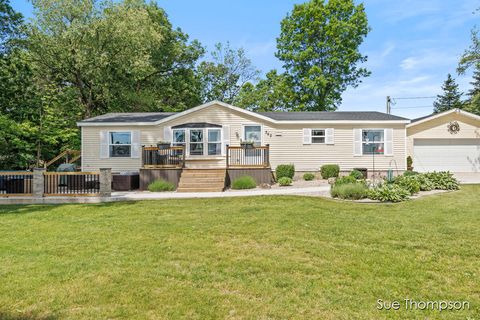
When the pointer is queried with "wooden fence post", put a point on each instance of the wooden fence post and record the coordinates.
(38, 183)
(105, 182)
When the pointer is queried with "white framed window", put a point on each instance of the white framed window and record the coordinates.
(253, 133)
(373, 141)
(178, 137)
(120, 144)
(214, 138)
(196, 142)
(318, 136)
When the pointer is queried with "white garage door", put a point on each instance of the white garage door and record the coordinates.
(455, 155)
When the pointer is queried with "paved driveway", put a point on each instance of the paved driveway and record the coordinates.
(467, 177)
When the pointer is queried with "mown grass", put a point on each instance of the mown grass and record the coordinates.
(240, 258)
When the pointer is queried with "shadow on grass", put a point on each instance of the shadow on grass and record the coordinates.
(19, 316)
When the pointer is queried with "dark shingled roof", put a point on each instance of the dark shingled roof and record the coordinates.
(331, 116)
(130, 117)
(279, 116)
(421, 118)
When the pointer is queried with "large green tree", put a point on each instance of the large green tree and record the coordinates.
(450, 97)
(274, 93)
(116, 56)
(10, 21)
(223, 76)
(319, 47)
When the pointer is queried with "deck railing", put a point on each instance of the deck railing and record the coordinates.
(248, 157)
(171, 157)
(16, 183)
(71, 183)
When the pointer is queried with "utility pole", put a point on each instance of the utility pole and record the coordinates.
(389, 101)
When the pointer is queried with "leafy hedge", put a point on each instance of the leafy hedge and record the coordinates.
(388, 193)
(330, 171)
(161, 185)
(244, 182)
(285, 170)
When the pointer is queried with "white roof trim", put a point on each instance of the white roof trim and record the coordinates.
(228, 106)
(438, 115)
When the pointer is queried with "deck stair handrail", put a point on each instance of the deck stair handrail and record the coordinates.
(75, 153)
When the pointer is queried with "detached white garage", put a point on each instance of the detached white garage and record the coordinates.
(448, 141)
(456, 155)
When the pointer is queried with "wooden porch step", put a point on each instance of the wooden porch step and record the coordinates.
(202, 180)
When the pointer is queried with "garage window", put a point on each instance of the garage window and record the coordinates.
(373, 141)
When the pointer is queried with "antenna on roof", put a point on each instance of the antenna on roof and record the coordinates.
(389, 108)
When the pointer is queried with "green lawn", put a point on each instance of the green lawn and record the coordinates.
(240, 258)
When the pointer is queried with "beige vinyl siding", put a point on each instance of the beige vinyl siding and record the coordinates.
(289, 148)
(286, 143)
(437, 129)
(91, 160)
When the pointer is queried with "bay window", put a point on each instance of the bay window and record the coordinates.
(214, 142)
(196, 142)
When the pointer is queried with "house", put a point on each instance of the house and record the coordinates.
(208, 137)
(445, 141)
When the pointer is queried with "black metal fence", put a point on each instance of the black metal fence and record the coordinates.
(171, 157)
(248, 157)
(71, 183)
(16, 183)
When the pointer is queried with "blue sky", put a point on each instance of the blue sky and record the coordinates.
(411, 48)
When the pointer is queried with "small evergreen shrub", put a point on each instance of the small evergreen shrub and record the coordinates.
(161, 185)
(409, 162)
(388, 193)
(443, 180)
(345, 180)
(356, 174)
(285, 170)
(308, 176)
(409, 183)
(330, 171)
(245, 182)
(350, 191)
(285, 181)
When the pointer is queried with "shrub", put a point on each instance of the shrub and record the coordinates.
(308, 176)
(356, 174)
(244, 182)
(161, 185)
(443, 180)
(345, 180)
(329, 171)
(409, 183)
(410, 173)
(285, 181)
(351, 191)
(388, 193)
(425, 183)
(285, 170)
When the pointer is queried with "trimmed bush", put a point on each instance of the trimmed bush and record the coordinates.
(285, 170)
(308, 176)
(350, 191)
(443, 180)
(388, 193)
(345, 180)
(409, 183)
(285, 181)
(160, 186)
(244, 182)
(330, 171)
(356, 174)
